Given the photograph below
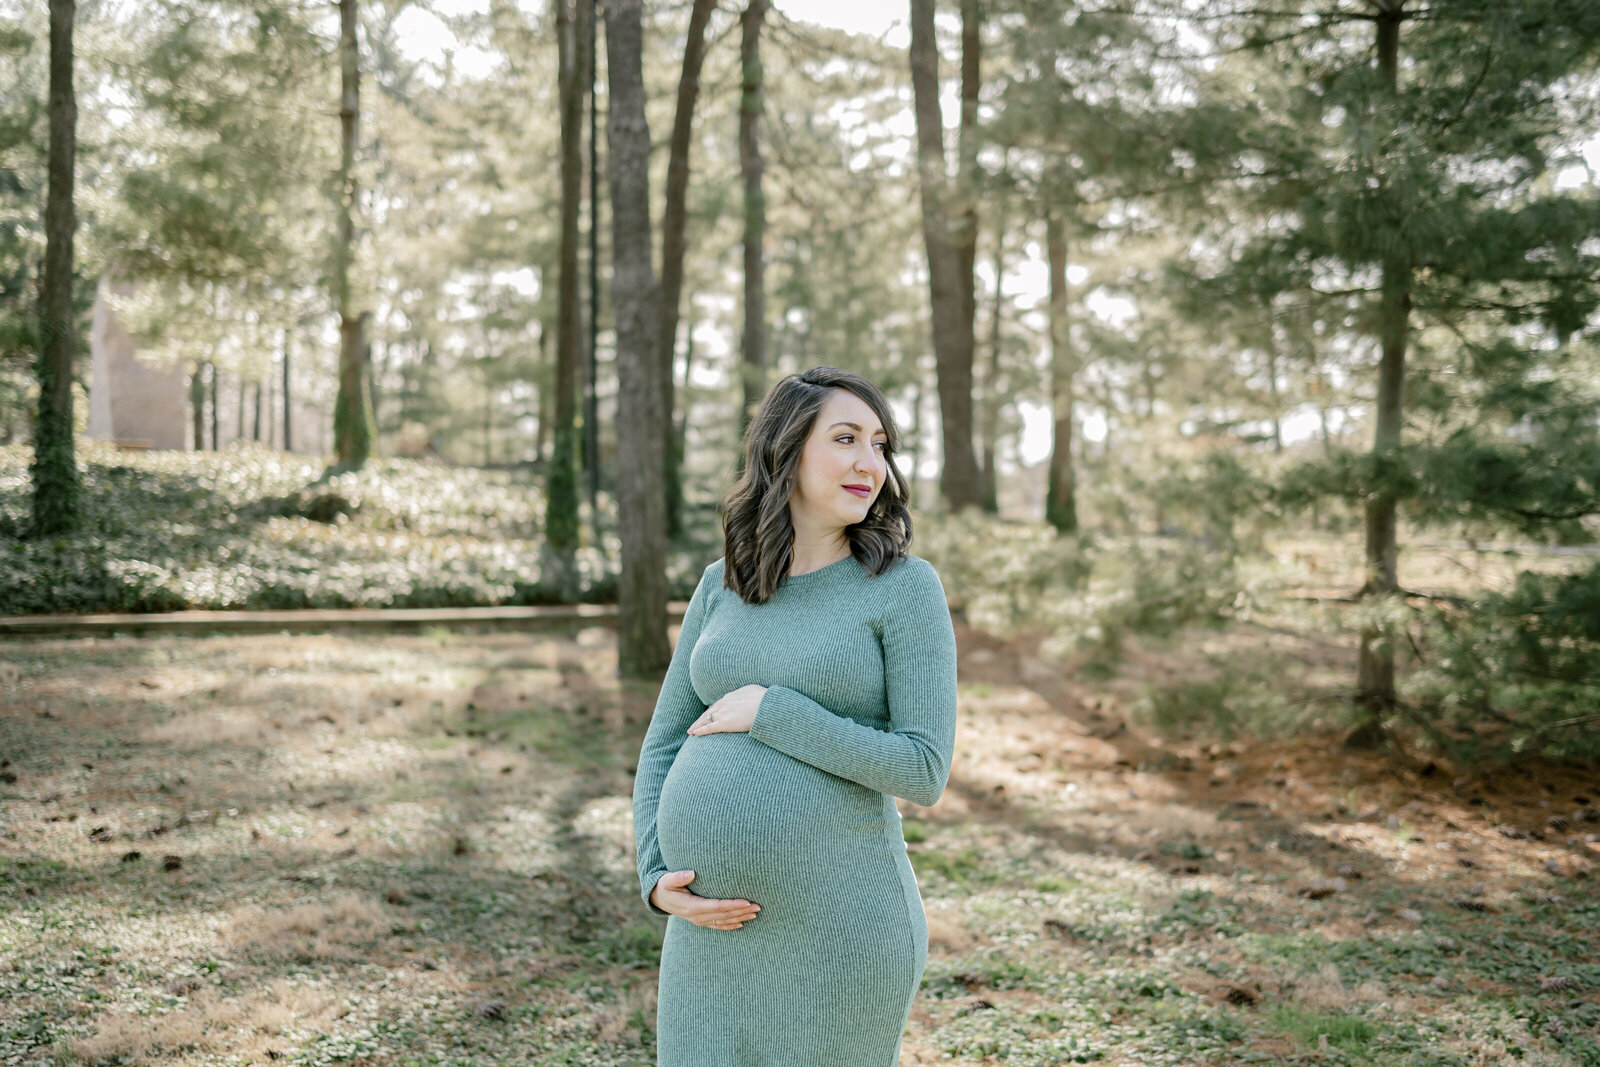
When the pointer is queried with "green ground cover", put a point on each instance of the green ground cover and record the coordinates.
(250, 527)
(417, 849)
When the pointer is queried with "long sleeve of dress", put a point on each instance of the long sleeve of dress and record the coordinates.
(911, 759)
(677, 707)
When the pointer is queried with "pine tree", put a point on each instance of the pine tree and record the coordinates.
(561, 484)
(674, 224)
(352, 410)
(642, 649)
(55, 466)
(1396, 164)
(950, 292)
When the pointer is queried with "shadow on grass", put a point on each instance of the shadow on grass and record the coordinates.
(519, 885)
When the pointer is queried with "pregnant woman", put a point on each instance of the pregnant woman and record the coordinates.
(814, 681)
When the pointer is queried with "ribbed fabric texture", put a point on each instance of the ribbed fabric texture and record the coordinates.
(798, 815)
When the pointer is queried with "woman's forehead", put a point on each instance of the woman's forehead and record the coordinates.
(844, 407)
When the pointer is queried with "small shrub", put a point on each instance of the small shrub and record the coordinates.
(1511, 671)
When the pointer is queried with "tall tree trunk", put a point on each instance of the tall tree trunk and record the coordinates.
(216, 407)
(541, 412)
(642, 648)
(352, 412)
(1272, 392)
(952, 329)
(966, 198)
(914, 437)
(238, 427)
(561, 484)
(371, 369)
(1375, 664)
(55, 466)
(674, 224)
(1060, 503)
(255, 421)
(989, 404)
(681, 427)
(591, 396)
(197, 405)
(288, 398)
(753, 344)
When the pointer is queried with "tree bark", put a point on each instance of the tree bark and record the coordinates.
(541, 406)
(1375, 663)
(989, 402)
(255, 420)
(352, 412)
(681, 418)
(952, 329)
(561, 484)
(216, 407)
(54, 473)
(288, 395)
(371, 370)
(1272, 392)
(1060, 504)
(753, 344)
(642, 647)
(674, 225)
(197, 405)
(966, 237)
(914, 438)
(591, 396)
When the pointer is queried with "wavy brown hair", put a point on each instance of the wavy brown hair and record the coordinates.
(758, 534)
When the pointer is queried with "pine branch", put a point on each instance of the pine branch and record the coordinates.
(1448, 598)
(1428, 725)
(1561, 724)
(1254, 44)
(1488, 60)
(1244, 13)
(1590, 507)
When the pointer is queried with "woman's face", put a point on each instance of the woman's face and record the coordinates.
(847, 449)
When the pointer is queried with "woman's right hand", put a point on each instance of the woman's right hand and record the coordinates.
(671, 896)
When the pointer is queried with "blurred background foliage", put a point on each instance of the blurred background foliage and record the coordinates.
(1224, 200)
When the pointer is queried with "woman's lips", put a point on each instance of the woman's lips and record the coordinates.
(863, 493)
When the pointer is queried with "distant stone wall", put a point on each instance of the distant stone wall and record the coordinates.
(131, 401)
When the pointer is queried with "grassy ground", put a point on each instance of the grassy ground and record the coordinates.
(250, 527)
(418, 850)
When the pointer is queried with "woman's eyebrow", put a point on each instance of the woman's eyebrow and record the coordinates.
(857, 429)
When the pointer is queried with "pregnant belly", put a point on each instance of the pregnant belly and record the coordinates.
(755, 823)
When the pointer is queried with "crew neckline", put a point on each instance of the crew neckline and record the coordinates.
(820, 570)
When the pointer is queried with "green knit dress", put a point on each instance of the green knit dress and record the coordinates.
(798, 815)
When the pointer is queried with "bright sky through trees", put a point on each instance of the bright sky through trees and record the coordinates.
(428, 37)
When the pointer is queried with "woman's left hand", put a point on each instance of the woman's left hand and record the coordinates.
(733, 713)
